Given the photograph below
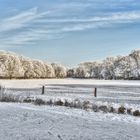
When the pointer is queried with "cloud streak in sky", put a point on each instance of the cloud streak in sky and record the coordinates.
(21, 20)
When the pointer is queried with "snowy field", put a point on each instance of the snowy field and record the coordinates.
(30, 122)
(32, 83)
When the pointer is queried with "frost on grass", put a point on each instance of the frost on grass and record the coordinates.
(8, 97)
(85, 105)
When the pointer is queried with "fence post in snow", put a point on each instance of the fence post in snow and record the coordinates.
(95, 92)
(0, 92)
(43, 89)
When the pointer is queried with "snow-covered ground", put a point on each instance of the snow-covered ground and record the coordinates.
(32, 83)
(30, 122)
(27, 121)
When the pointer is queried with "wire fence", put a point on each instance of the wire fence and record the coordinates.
(105, 94)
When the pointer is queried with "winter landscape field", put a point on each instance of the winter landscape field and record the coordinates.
(26, 121)
(69, 69)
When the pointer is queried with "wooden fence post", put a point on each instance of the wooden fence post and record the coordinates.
(95, 92)
(43, 89)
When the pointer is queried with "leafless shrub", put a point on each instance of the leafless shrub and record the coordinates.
(129, 111)
(50, 102)
(121, 110)
(66, 103)
(111, 110)
(95, 108)
(58, 102)
(71, 104)
(28, 100)
(86, 105)
(77, 104)
(136, 113)
(103, 108)
(39, 101)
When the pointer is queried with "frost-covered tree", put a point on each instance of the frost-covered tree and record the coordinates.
(120, 67)
(93, 69)
(59, 70)
(70, 73)
(15, 66)
(107, 71)
(80, 72)
(88, 70)
(50, 73)
(28, 68)
(37, 69)
(10, 65)
(135, 64)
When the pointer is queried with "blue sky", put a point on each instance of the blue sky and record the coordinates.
(70, 31)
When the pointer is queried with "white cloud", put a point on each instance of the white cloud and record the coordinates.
(95, 22)
(111, 17)
(29, 37)
(20, 20)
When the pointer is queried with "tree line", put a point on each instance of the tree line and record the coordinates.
(119, 67)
